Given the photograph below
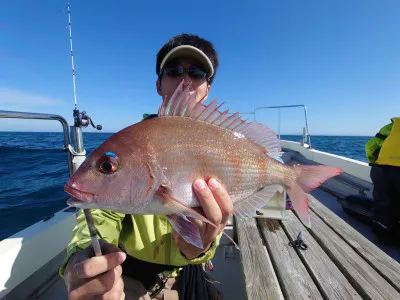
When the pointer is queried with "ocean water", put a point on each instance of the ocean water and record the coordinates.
(34, 169)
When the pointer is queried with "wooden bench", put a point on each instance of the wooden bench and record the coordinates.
(339, 262)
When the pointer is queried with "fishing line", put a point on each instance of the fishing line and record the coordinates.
(72, 53)
(88, 215)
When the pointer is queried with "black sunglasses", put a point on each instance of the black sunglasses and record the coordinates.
(194, 72)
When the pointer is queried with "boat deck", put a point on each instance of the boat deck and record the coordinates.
(339, 263)
(342, 259)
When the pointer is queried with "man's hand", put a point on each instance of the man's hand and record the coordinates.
(216, 207)
(89, 277)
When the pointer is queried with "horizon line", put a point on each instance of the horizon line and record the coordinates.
(112, 132)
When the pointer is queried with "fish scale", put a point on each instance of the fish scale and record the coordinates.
(189, 161)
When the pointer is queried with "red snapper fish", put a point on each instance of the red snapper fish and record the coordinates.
(149, 167)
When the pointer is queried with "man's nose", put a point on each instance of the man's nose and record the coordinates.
(186, 80)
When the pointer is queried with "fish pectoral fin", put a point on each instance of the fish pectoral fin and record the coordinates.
(248, 206)
(177, 207)
(180, 217)
(186, 229)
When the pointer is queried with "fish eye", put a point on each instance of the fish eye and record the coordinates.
(108, 164)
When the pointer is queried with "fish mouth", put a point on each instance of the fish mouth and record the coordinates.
(75, 202)
(78, 197)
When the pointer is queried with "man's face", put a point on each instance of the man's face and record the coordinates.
(167, 84)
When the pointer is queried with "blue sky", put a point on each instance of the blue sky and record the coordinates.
(339, 58)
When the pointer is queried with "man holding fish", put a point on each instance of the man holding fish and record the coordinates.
(162, 190)
(102, 275)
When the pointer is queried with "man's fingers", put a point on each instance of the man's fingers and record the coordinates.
(223, 199)
(108, 248)
(199, 223)
(216, 206)
(210, 207)
(116, 293)
(97, 265)
(98, 285)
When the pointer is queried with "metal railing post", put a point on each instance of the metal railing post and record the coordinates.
(39, 116)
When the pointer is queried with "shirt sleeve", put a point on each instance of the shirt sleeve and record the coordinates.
(371, 147)
(375, 143)
(209, 254)
(108, 225)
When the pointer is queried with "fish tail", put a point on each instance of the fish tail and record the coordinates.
(308, 178)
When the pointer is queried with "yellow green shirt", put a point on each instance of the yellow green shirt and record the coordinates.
(145, 237)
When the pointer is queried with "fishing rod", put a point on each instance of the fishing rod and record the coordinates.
(81, 120)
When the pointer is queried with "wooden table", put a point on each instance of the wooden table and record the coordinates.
(339, 262)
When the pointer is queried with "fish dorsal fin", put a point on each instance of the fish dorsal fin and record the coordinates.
(184, 104)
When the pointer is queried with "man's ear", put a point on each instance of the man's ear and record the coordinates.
(158, 86)
(206, 95)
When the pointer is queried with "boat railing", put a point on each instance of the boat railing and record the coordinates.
(41, 116)
(306, 135)
(22, 248)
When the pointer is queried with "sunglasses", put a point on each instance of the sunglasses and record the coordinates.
(177, 71)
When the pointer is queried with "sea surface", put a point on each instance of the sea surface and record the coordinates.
(33, 171)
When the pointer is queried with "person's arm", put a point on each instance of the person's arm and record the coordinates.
(207, 254)
(373, 146)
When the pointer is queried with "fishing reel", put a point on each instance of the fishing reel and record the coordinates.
(82, 119)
